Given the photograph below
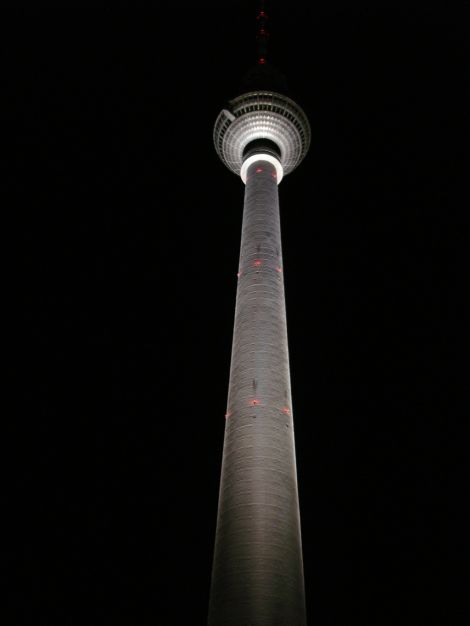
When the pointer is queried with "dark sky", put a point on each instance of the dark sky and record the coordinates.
(127, 248)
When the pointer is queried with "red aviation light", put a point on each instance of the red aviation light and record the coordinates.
(261, 61)
(228, 414)
(286, 410)
(254, 402)
(279, 270)
(259, 170)
(257, 262)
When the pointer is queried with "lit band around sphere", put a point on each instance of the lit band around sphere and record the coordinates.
(259, 156)
(262, 115)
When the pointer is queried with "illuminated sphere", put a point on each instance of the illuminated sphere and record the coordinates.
(259, 115)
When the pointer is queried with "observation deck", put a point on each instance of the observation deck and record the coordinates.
(262, 115)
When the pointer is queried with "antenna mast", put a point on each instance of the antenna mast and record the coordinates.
(262, 35)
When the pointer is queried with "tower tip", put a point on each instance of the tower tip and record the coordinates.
(262, 34)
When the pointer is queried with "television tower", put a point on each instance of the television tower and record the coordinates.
(257, 577)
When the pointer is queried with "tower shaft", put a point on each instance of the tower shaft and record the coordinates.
(257, 577)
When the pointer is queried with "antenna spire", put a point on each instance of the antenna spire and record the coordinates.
(262, 35)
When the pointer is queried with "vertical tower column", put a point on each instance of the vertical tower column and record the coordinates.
(257, 577)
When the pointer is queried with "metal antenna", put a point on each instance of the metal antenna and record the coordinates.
(263, 34)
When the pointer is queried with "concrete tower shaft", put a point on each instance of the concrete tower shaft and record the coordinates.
(257, 575)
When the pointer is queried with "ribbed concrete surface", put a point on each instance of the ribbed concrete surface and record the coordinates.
(257, 575)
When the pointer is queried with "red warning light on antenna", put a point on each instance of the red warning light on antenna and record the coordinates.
(261, 61)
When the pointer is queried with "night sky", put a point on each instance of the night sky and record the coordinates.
(127, 240)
